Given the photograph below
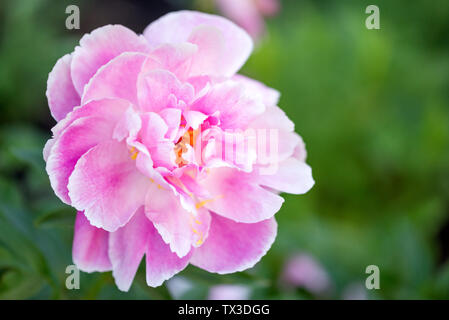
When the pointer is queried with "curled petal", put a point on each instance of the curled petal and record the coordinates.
(236, 109)
(159, 89)
(47, 148)
(292, 176)
(194, 118)
(154, 128)
(107, 186)
(228, 149)
(161, 263)
(98, 48)
(300, 152)
(177, 58)
(152, 135)
(273, 118)
(269, 96)
(116, 79)
(61, 94)
(233, 246)
(238, 197)
(82, 135)
(90, 246)
(127, 246)
(210, 55)
(172, 118)
(178, 227)
(128, 126)
(105, 108)
(177, 27)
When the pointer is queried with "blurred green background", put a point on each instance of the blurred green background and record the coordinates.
(371, 105)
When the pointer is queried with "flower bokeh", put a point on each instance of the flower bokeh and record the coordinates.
(249, 14)
(166, 152)
(378, 143)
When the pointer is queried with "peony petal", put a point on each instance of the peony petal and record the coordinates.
(194, 118)
(107, 185)
(232, 246)
(176, 58)
(276, 139)
(236, 196)
(160, 89)
(273, 118)
(177, 27)
(154, 128)
(228, 149)
(128, 126)
(116, 79)
(174, 223)
(236, 110)
(161, 263)
(172, 118)
(75, 141)
(274, 145)
(292, 176)
(201, 85)
(61, 94)
(127, 246)
(47, 148)
(300, 152)
(253, 87)
(90, 246)
(105, 108)
(144, 164)
(99, 47)
(152, 135)
(210, 55)
(170, 219)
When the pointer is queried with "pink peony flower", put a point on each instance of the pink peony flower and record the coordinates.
(302, 270)
(249, 14)
(229, 292)
(355, 291)
(156, 147)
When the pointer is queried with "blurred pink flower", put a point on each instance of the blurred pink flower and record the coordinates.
(138, 149)
(249, 14)
(229, 292)
(303, 271)
(354, 291)
(178, 286)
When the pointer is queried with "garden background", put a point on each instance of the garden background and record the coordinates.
(371, 105)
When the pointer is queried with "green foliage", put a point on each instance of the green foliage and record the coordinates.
(371, 105)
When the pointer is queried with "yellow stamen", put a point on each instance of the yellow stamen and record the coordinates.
(188, 138)
(200, 234)
(201, 204)
(134, 153)
(158, 185)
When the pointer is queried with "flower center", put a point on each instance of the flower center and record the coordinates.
(181, 146)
